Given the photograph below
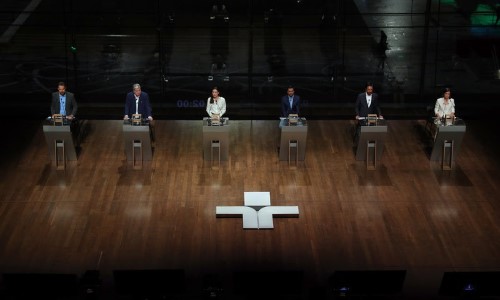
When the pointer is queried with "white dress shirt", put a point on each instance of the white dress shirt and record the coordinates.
(443, 108)
(217, 108)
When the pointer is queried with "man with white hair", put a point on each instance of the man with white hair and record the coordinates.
(137, 102)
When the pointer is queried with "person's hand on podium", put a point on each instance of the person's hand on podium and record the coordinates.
(125, 117)
(150, 118)
(380, 117)
(70, 117)
(357, 117)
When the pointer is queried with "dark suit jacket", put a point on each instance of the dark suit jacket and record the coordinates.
(362, 108)
(144, 107)
(285, 106)
(71, 106)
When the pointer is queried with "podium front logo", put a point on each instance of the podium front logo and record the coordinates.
(257, 211)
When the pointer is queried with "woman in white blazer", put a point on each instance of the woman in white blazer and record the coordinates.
(445, 106)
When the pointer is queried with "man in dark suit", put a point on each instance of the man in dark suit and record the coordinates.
(63, 102)
(367, 103)
(290, 103)
(137, 102)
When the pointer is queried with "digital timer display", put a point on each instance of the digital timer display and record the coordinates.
(190, 103)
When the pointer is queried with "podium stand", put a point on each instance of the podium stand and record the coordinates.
(448, 140)
(60, 142)
(137, 142)
(291, 135)
(215, 135)
(371, 142)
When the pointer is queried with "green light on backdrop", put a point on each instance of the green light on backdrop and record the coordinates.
(448, 2)
(483, 15)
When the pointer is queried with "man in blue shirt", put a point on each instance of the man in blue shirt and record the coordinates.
(290, 103)
(63, 102)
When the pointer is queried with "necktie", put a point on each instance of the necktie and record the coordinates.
(369, 101)
(291, 102)
(136, 105)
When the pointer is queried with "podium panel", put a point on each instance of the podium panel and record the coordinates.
(215, 133)
(371, 133)
(134, 133)
(60, 133)
(293, 133)
(448, 132)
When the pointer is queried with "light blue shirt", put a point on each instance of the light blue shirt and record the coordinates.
(62, 101)
(291, 101)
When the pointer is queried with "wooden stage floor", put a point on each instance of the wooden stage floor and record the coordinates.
(102, 214)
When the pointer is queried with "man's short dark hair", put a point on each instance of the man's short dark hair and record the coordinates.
(368, 84)
(61, 83)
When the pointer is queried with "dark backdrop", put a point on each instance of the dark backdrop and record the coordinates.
(252, 50)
